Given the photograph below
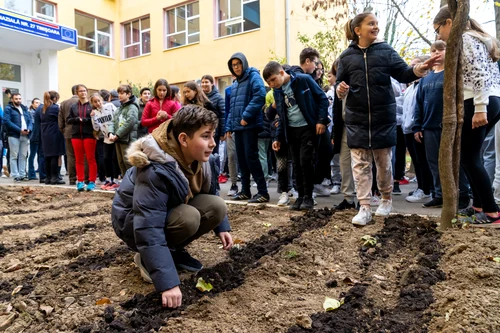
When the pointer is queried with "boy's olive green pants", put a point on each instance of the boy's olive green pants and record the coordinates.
(190, 221)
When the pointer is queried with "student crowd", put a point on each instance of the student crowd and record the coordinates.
(350, 137)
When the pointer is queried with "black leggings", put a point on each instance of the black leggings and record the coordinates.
(111, 167)
(51, 169)
(419, 159)
(471, 160)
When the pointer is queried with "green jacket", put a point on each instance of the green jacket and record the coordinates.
(125, 121)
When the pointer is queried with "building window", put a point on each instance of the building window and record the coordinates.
(10, 72)
(40, 9)
(94, 35)
(137, 38)
(45, 11)
(235, 16)
(183, 25)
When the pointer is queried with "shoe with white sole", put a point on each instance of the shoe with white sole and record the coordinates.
(321, 191)
(363, 217)
(385, 208)
(335, 189)
(284, 199)
(417, 196)
(144, 273)
(375, 200)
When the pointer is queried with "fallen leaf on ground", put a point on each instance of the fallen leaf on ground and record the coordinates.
(17, 289)
(46, 309)
(103, 301)
(379, 277)
(203, 286)
(348, 280)
(496, 259)
(448, 314)
(331, 304)
(238, 241)
(267, 225)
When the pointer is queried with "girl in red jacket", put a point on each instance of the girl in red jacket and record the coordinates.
(160, 108)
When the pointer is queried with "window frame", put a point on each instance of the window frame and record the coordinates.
(97, 33)
(186, 30)
(43, 16)
(238, 19)
(141, 31)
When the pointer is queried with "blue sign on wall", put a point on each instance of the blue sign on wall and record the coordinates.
(33, 26)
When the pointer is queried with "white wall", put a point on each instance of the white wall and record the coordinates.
(35, 78)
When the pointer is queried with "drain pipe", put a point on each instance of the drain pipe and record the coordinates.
(287, 30)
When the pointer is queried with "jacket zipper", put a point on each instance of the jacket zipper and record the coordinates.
(369, 106)
(81, 122)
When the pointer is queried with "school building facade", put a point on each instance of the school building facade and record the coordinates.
(120, 41)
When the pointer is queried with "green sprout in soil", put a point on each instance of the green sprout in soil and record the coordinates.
(291, 254)
(369, 241)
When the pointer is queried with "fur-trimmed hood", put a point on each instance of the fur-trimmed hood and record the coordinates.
(147, 150)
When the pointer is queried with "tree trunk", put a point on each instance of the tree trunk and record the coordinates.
(449, 154)
(497, 20)
(443, 3)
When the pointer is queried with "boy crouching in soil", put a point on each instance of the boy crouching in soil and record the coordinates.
(168, 199)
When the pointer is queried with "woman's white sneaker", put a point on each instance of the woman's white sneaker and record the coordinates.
(363, 217)
(385, 208)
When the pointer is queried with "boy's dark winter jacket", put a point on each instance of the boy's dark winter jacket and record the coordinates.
(80, 121)
(12, 120)
(141, 206)
(310, 98)
(370, 117)
(248, 96)
(218, 101)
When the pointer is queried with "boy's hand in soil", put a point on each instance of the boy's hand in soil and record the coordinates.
(226, 240)
(171, 298)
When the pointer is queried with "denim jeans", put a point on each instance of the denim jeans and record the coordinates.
(18, 155)
(36, 149)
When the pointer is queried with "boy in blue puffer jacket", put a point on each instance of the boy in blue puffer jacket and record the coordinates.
(302, 107)
(245, 120)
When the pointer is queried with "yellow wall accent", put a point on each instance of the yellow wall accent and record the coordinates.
(185, 63)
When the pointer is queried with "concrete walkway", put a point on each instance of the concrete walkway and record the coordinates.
(399, 203)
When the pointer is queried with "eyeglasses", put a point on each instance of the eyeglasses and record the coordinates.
(437, 29)
(236, 65)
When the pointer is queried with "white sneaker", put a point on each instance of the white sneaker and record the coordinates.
(144, 273)
(418, 195)
(326, 182)
(335, 189)
(284, 199)
(321, 191)
(293, 193)
(375, 200)
(363, 217)
(385, 208)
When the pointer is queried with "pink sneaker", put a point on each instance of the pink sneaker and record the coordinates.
(113, 187)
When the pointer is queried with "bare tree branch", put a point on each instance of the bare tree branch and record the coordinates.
(410, 22)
